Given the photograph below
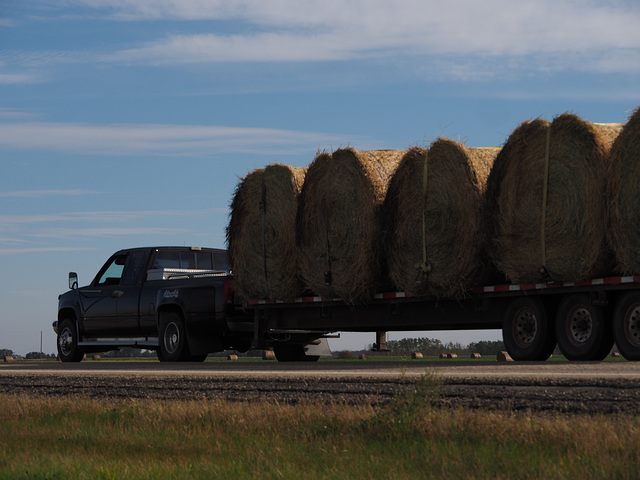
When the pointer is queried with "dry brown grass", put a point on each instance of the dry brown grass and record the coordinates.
(81, 438)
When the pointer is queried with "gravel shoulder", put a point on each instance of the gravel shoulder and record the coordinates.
(529, 388)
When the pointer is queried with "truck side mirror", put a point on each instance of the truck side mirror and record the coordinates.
(73, 280)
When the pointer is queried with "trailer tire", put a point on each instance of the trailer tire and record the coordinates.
(172, 341)
(626, 325)
(67, 341)
(582, 329)
(293, 353)
(527, 333)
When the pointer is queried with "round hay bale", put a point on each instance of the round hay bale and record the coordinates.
(268, 355)
(624, 196)
(261, 233)
(432, 218)
(338, 223)
(545, 215)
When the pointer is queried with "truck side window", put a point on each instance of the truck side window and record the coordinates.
(113, 273)
(133, 269)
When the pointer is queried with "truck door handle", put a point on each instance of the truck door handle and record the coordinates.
(117, 293)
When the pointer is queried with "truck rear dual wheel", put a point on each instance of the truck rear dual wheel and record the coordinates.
(527, 333)
(68, 350)
(582, 329)
(172, 345)
(626, 325)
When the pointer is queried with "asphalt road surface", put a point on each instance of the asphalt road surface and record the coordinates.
(567, 387)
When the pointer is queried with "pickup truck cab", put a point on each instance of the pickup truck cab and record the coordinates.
(175, 300)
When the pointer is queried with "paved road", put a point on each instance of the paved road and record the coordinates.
(590, 387)
(475, 369)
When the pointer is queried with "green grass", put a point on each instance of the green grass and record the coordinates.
(79, 438)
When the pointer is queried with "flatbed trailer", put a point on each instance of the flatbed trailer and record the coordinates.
(583, 318)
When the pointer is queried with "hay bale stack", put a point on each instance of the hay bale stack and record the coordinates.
(624, 195)
(338, 224)
(432, 218)
(545, 215)
(261, 233)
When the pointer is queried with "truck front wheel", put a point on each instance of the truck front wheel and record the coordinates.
(172, 344)
(68, 350)
(582, 330)
(527, 333)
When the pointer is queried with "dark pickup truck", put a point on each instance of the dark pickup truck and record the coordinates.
(175, 300)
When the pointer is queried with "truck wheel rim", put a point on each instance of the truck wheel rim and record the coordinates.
(525, 327)
(632, 326)
(65, 342)
(171, 338)
(579, 326)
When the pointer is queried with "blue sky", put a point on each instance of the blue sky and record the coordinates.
(128, 122)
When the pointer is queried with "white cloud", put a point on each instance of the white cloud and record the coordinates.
(45, 193)
(31, 233)
(103, 217)
(547, 35)
(14, 251)
(18, 78)
(544, 34)
(266, 47)
(102, 232)
(192, 140)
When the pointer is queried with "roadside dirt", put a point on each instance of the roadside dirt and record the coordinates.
(588, 396)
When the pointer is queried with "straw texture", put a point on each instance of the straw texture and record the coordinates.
(546, 218)
(432, 218)
(624, 195)
(261, 233)
(338, 223)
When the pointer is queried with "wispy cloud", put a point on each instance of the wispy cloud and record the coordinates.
(14, 251)
(45, 193)
(41, 232)
(192, 140)
(339, 30)
(104, 217)
(18, 78)
(102, 232)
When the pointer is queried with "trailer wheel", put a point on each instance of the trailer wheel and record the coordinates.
(526, 330)
(626, 326)
(582, 330)
(68, 350)
(293, 353)
(172, 344)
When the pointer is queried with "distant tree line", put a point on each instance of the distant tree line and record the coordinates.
(433, 347)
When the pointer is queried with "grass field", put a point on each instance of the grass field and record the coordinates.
(68, 438)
